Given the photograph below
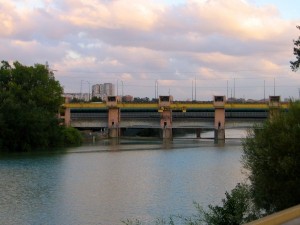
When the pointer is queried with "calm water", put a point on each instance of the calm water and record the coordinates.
(111, 181)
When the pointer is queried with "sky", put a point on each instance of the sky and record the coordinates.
(192, 49)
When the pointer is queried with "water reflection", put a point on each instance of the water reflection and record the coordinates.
(115, 179)
(28, 186)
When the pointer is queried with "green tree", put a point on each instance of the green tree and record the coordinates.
(295, 64)
(237, 208)
(29, 101)
(272, 157)
(71, 136)
(75, 100)
(96, 99)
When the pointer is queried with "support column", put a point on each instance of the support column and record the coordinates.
(219, 124)
(113, 122)
(166, 116)
(166, 124)
(274, 106)
(114, 116)
(67, 117)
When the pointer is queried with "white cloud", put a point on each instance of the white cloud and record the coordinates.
(147, 40)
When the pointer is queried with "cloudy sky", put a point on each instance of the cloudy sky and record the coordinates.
(238, 48)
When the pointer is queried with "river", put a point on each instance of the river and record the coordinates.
(110, 181)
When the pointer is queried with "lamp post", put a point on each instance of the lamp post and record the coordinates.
(274, 86)
(195, 89)
(234, 88)
(264, 90)
(82, 81)
(192, 90)
(156, 89)
(227, 89)
(89, 90)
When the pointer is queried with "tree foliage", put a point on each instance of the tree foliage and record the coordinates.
(29, 101)
(295, 64)
(272, 156)
(71, 136)
(96, 99)
(237, 208)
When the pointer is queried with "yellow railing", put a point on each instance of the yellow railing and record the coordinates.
(85, 105)
(173, 105)
(288, 216)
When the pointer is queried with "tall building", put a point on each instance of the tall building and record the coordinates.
(108, 89)
(103, 90)
(96, 90)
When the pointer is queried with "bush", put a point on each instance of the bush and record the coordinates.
(272, 157)
(71, 136)
(237, 208)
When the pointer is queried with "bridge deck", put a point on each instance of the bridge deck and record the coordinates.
(174, 105)
(184, 114)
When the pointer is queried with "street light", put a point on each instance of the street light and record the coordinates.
(81, 88)
(156, 89)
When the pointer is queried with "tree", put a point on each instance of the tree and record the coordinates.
(295, 64)
(237, 208)
(96, 99)
(272, 157)
(29, 101)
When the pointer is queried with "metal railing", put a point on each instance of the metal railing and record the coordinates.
(290, 216)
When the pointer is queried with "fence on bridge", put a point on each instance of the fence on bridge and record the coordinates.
(167, 115)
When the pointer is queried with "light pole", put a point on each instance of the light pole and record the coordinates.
(234, 88)
(264, 90)
(89, 90)
(117, 87)
(274, 86)
(227, 90)
(192, 90)
(195, 89)
(156, 89)
(81, 89)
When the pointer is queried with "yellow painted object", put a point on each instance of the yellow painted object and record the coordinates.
(246, 106)
(138, 105)
(85, 105)
(173, 106)
(280, 218)
(252, 105)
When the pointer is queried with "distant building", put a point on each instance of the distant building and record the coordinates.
(78, 96)
(95, 90)
(109, 89)
(127, 98)
(103, 90)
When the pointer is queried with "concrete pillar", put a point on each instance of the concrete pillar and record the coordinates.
(274, 106)
(219, 124)
(113, 122)
(67, 117)
(114, 116)
(166, 124)
(166, 116)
